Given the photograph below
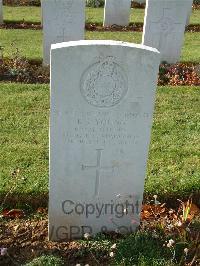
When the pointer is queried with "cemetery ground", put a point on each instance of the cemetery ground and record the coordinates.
(93, 15)
(173, 167)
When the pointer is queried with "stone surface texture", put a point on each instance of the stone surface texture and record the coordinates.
(1, 11)
(164, 27)
(102, 101)
(189, 13)
(63, 20)
(117, 12)
(140, 1)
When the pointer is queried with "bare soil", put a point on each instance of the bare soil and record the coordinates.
(26, 237)
(21, 70)
(138, 27)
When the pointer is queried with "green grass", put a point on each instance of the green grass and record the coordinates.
(93, 15)
(174, 162)
(195, 17)
(118, 36)
(46, 261)
(24, 136)
(19, 13)
(33, 14)
(29, 42)
(142, 249)
(190, 50)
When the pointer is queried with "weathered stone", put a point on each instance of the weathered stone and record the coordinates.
(1, 11)
(140, 1)
(189, 13)
(102, 101)
(164, 27)
(63, 20)
(117, 12)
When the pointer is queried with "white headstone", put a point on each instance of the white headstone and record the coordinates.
(1, 11)
(189, 13)
(164, 27)
(63, 20)
(140, 1)
(102, 101)
(117, 12)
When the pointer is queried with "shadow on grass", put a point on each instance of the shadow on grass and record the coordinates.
(29, 202)
(32, 202)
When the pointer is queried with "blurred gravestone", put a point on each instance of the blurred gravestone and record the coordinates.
(117, 12)
(140, 1)
(189, 14)
(63, 20)
(102, 101)
(1, 11)
(164, 27)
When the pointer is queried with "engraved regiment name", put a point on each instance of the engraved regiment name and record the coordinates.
(101, 128)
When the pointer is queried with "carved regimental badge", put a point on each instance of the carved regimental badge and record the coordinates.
(104, 84)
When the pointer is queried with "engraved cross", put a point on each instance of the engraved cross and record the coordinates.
(166, 23)
(98, 169)
(164, 26)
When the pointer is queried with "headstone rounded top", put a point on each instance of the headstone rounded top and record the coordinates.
(103, 43)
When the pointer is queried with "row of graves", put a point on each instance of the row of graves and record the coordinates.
(164, 23)
(102, 103)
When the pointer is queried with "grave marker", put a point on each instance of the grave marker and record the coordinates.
(1, 11)
(63, 20)
(164, 27)
(140, 1)
(102, 100)
(189, 13)
(117, 12)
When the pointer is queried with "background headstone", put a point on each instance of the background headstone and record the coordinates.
(117, 12)
(63, 20)
(189, 13)
(102, 101)
(140, 1)
(1, 11)
(164, 27)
